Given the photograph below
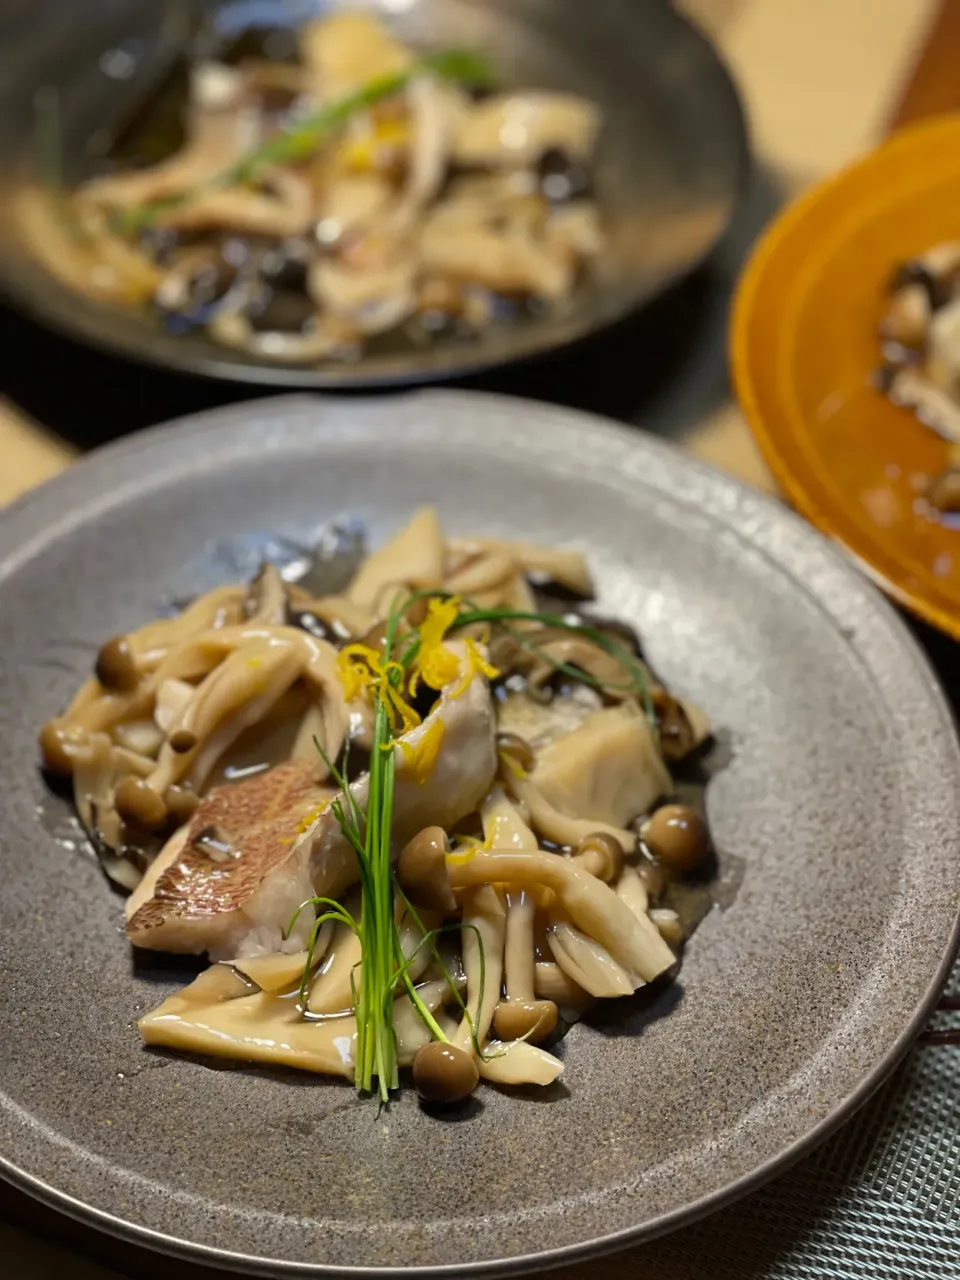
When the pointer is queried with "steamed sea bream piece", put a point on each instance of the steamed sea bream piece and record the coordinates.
(227, 894)
(416, 823)
(316, 207)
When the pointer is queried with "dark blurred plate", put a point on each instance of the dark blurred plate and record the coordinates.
(669, 168)
(838, 814)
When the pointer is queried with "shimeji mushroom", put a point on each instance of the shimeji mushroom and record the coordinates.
(422, 871)
(676, 836)
(587, 961)
(551, 983)
(601, 855)
(521, 1014)
(484, 930)
(592, 906)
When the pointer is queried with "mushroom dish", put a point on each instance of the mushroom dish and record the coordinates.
(356, 192)
(920, 336)
(424, 820)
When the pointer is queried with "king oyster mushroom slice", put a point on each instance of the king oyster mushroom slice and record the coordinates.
(514, 130)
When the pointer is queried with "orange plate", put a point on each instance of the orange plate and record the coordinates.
(804, 347)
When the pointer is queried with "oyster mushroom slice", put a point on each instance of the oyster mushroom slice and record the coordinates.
(281, 205)
(266, 602)
(503, 827)
(412, 559)
(514, 130)
(347, 49)
(576, 229)
(558, 564)
(586, 961)
(435, 110)
(578, 651)
(508, 260)
(221, 127)
(332, 991)
(350, 202)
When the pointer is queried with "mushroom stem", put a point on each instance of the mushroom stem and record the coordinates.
(520, 1014)
(518, 1062)
(587, 962)
(483, 915)
(551, 983)
(593, 906)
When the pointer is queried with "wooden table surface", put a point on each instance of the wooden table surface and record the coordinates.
(822, 81)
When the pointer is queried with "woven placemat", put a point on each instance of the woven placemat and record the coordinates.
(880, 1200)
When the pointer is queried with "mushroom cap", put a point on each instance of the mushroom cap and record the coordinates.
(56, 739)
(444, 1073)
(116, 666)
(534, 1019)
(601, 854)
(676, 836)
(182, 741)
(517, 749)
(137, 802)
(422, 871)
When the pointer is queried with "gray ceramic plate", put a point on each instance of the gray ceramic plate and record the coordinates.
(840, 805)
(669, 165)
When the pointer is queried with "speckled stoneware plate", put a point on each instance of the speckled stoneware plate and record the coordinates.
(838, 812)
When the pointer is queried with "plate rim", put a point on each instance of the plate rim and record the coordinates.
(800, 494)
(15, 521)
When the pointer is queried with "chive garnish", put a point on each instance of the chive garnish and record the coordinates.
(303, 136)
